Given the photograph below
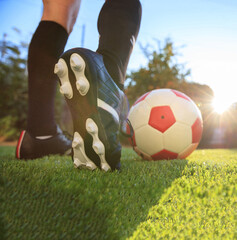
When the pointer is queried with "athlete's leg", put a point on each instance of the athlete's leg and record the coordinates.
(118, 26)
(43, 137)
(46, 46)
(88, 82)
(63, 12)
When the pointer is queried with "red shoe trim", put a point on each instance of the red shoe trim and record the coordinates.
(19, 144)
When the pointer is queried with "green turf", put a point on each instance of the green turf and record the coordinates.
(178, 199)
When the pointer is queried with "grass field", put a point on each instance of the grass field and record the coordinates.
(179, 199)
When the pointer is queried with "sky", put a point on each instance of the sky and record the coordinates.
(203, 31)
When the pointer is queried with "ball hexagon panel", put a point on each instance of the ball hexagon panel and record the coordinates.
(161, 118)
(141, 98)
(160, 97)
(197, 131)
(184, 111)
(139, 115)
(188, 151)
(142, 154)
(181, 95)
(164, 154)
(148, 140)
(178, 137)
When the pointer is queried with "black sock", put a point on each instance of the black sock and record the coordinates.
(46, 46)
(118, 26)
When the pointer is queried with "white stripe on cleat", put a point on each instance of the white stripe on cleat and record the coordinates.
(79, 156)
(78, 67)
(62, 71)
(107, 108)
(97, 145)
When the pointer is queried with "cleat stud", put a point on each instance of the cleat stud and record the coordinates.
(99, 148)
(56, 68)
(76, 142)
(91, 126)
(75, 166)
(78, 67)
(90, 166)
(62, 89)
(76, 62)
(77, 163)
(59, 69)
(81, 85)
(91, 129)
(105, 167)
(79, 155)
(66, 90)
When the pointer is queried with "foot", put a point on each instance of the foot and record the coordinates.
(29, 147)
(96, 104)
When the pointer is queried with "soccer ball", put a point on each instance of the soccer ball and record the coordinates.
(164, 124)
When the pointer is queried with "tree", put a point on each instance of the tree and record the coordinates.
(13, 90)
(162, 71)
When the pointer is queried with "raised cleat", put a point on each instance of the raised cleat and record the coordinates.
(97, 108)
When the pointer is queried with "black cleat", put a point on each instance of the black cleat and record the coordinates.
(96, 104)
(29, 147)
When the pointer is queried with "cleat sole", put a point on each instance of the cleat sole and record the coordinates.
(71, 70)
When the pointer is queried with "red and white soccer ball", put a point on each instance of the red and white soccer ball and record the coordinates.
(164, 124)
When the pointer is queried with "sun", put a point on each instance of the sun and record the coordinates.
(224, 98)
(221, 105)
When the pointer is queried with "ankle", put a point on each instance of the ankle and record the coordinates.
(42, 131)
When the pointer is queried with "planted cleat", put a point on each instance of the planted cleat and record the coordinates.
(29, 147)
(97, 108)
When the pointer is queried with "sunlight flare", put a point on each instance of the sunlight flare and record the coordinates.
(221, 105)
